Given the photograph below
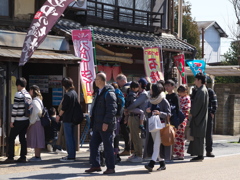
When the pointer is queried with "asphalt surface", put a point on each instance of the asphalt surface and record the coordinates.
(225, 165)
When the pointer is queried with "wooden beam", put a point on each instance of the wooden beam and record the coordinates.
(113, 53)
(115, 59)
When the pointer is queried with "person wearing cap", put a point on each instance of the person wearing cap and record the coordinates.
(19, 123)
(35, 132)
(134, 121)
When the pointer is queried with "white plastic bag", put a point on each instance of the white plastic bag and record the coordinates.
(154, 123)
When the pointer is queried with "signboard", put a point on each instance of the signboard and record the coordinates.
(153, 64)
(179, 62)
(82, 42)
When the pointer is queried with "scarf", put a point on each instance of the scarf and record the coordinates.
(158, 99)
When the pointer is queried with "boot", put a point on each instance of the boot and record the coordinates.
(150, 166)
(162, 166)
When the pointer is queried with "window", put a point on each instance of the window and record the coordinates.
(4, 8)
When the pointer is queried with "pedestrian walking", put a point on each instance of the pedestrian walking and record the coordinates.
(103, 119)
(158, 105)
(198, 114)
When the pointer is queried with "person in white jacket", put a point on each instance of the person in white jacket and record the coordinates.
(35, 132)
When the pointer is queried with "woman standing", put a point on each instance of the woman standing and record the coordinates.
(35, 132)
(185, 105)
(158, 105)
(69, 101)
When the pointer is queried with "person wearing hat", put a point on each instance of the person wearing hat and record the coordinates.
(35, 132)
(134, 121)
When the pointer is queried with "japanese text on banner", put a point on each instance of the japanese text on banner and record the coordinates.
(82, 41)
(153, 64)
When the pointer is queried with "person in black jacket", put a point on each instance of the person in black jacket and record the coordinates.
(66, 112)
(212, 107)
(104, 109)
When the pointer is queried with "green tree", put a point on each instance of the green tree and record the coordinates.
(189, 27)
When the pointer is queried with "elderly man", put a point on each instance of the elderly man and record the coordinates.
(124, 86)
(199, 115)
(103, 122)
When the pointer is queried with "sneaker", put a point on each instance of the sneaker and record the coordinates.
(66, 159)
(210, 154)
(49, 148)
(143, 134)
(35, 159)
(61, 151)
(131, 157)
(136, 159)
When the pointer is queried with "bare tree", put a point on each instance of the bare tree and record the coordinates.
(235, 29)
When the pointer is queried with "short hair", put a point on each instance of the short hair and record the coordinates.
(21, 82)
(148, 86)
(67, 83)
(102, 75)
(52, 111)
(121, 77)
(201, 76)
(182, 88)
(170, 81)
(156, 90)
(134, 84)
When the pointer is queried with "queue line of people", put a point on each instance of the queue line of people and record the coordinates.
(133, 121)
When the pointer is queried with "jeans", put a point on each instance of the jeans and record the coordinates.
(70, 139)
(97, 138)
(20, 128)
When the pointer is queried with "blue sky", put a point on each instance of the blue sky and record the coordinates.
(220, 11)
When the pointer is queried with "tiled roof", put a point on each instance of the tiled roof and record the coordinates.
(129, 38)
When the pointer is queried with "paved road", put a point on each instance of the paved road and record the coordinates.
(226, 165)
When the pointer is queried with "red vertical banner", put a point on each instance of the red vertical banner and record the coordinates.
(153, 64)
(179, 62)
(82, 42)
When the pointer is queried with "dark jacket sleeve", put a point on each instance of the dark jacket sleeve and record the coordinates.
(111, 107)
(213, 104)
(66, 102)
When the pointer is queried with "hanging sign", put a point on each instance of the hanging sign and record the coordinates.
(179, 62)
(153, 64)
(82, 42)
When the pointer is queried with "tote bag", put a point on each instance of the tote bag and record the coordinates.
(154, 123)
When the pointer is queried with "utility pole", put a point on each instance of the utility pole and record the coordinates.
(180, 14)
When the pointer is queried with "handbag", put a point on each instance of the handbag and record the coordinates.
(154, 123)
(167, 134)
(44, 118)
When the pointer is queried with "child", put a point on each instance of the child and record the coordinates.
(55, 128)
(132, 95)
(185, 105)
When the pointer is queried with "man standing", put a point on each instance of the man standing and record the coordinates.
(199, 114)
(124, 86)
(212, 107)
(104, 122)
(19, 122)
(134, 121)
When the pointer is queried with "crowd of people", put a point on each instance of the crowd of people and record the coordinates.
(194, 111)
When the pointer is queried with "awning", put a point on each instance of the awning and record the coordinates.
(218, 71)
(38, 56)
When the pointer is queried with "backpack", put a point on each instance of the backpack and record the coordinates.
(77, 114)
(45, 119)
(28, 104)
(120, 101)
